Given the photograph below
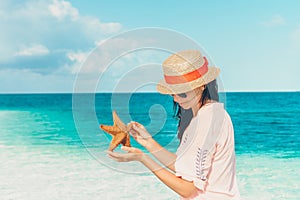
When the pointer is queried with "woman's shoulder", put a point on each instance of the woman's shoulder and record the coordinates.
(213, 108)
(214, 113)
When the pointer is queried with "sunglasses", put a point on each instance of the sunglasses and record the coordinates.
(181, 95)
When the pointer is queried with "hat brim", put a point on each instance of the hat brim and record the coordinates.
(165, 88)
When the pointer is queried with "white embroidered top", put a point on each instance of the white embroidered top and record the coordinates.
(206, 154)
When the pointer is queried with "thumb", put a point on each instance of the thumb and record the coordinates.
(142, 131)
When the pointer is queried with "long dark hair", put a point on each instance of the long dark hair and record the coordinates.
(210, 92)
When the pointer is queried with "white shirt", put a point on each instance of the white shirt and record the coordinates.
(206, 154)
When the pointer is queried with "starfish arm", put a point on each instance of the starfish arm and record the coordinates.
(118, 139)
(118, 132)
(114, 143)
(112, 146)
(118, 122)
(112, 130)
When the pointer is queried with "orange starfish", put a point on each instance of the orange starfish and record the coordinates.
(118, 132)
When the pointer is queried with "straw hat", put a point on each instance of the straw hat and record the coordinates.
(185, 71)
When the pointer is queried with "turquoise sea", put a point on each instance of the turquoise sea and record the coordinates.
(52, 148)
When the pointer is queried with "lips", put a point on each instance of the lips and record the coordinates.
(183, 103)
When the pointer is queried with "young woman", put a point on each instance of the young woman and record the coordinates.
(204, 164)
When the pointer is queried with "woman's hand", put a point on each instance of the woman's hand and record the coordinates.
(133, 154)
(140, 134)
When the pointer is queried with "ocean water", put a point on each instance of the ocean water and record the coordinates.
(51, 146)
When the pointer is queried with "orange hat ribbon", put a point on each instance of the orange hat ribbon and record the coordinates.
(191, 76)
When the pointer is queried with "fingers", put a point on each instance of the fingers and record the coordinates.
(131, 149)
(139, 125)
(112, 155)
(137, 130)
(128, 149)
(134, 133)
(133, 154)
(133, 123)
(117, 156)
(142, 131)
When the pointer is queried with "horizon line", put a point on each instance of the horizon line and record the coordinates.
(140, 92)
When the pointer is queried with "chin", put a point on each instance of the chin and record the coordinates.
(186, 107)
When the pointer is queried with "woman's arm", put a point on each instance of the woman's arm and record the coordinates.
(182, 187)
(164, 156)
(141, 135)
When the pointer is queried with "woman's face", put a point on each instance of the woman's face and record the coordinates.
(189, 99)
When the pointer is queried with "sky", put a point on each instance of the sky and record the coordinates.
(48, 46)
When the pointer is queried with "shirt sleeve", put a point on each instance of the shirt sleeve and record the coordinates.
(195, 166)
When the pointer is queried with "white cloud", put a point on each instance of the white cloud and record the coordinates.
(77, 59)
(62, 9)
(275, 20)
(44, 28)
(93, 25)
(33, 50)
(97, 60)
(78, 56)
